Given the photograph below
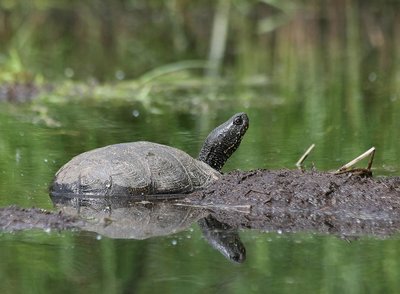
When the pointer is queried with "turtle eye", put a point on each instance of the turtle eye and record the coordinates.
(238, 121)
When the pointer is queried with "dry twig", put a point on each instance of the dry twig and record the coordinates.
(346, 168)
(299, 163)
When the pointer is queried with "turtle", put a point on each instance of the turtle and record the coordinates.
(142, 168)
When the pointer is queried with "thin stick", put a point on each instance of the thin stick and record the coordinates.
(371, 159)
(299, 163)
(369, 152)
(237, 208)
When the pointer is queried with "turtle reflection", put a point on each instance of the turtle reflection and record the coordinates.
(223, 237)
(123, 218)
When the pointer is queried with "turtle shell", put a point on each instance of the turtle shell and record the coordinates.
(138, 168)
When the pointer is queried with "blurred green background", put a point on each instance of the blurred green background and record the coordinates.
(300, 43)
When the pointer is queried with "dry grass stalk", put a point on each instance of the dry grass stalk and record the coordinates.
(299, 163)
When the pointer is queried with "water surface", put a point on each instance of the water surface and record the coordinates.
(34, 146)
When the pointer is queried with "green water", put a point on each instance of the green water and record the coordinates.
(322, 72)
(34, 262)
(34, 145)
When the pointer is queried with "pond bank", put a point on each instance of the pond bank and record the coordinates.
(279, 201)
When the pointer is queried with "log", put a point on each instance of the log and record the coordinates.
(295, 200)
(272, 201)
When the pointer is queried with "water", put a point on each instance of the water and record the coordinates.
(81, 262)
(34, 146)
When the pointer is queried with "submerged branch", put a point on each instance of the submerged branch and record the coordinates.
(231, 208)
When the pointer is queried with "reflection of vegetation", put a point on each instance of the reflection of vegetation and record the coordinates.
(78, 263)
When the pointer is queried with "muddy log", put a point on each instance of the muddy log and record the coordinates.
(14, 218)
(294, 200)
(272, 201)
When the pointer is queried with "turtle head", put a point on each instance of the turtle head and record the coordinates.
(224, 140)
